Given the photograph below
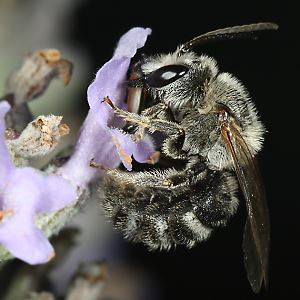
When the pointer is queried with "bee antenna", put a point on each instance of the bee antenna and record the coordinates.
(227, 34)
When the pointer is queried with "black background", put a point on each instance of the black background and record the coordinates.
(269, 69)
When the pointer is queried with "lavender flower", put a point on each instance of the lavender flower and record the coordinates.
(24, 193)
(29, 196)
(97, 140)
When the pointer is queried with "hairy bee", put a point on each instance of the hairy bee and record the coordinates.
(212, 128)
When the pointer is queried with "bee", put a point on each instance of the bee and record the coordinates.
(212, 135)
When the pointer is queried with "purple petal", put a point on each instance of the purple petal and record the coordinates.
(141, 151)
(134, 39)
(144, 149)
(29, 190)
(95, 141)
(24, 192)
(109, 81)
(25, 241)
(57, 193)
(110, 78)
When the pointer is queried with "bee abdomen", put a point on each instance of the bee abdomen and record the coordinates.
(162, 218)
(160, 231)
(187, 229)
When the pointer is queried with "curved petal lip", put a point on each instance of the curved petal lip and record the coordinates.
(95, 140)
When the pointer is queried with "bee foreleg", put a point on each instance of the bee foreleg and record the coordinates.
(160, 110)
(152, 124)
(126, 115)
(164, 180)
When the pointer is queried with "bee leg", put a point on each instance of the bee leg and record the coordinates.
(172, 147)
(152, 124)
(136, 119)
(167, 180)
(160, 110)
(127, 116)
(160, 118)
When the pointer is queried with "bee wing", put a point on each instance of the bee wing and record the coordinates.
(257, 229)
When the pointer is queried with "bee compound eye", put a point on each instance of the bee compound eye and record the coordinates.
(165, 75)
